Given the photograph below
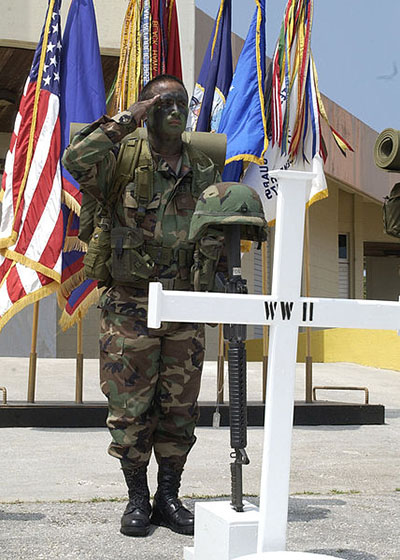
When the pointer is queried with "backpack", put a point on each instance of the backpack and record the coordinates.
(391, 212)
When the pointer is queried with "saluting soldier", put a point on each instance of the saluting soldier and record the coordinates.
(145, 190)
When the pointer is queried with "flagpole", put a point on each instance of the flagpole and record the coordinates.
(79, 366)
(265, 328)
(220, 366)
(308, 359)
(33, 355)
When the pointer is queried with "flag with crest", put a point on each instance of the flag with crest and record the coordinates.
(212, 87)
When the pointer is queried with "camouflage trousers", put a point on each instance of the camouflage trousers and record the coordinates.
(151, 378)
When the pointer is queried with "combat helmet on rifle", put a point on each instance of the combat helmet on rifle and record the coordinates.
(233, 212)
(219, 207)
(227, 204)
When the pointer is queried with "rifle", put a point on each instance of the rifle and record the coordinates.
(236, 335)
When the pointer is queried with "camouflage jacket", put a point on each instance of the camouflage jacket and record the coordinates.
(91, 158)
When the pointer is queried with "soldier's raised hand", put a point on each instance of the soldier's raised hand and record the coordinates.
(139, 108)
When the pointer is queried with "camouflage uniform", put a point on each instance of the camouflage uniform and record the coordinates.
(151, 378)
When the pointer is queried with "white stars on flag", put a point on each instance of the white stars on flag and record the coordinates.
(51, 64)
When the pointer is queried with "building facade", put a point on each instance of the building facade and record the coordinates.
(350, 255)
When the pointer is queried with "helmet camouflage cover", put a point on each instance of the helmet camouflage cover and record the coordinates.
(227, 204)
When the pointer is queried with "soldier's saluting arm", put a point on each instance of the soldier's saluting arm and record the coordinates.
(91, 155)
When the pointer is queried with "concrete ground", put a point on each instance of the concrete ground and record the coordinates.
(61, 495)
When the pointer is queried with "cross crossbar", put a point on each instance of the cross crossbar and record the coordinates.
(247, 309)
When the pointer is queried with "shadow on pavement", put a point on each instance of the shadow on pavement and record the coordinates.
(13, 516)
(346, 554)
(330, 428)
(392, 413)
(304, 510)
(319, 501)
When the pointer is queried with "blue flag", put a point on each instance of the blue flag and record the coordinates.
(83, 100)
(215, 76)
(243, 119)
(83, 97)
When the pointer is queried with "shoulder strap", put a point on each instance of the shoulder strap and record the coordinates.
(144, 180)
(127, 161)
(134, 161)
(200, 162)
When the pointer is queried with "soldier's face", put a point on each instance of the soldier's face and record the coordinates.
(169, 114)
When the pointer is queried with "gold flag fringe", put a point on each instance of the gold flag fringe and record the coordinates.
(71, 202)
(66, 321)
(68, 286)
(28, 300)
(29, 263)
(74, 244)
(128, 77)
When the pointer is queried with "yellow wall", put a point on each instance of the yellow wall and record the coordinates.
(343, 212)
(374, 348)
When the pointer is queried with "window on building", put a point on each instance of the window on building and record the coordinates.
(344, 265)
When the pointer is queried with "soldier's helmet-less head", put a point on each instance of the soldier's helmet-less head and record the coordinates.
(227, 204)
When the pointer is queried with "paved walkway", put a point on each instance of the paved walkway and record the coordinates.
(61, 495)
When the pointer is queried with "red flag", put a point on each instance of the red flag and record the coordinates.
(31, 228)
(174, 65)
(156, 40)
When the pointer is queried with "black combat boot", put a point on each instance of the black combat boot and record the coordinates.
(135, 521)
(168, 510)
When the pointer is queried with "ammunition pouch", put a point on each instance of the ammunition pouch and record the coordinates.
(97, 261)
(129, 261)
(206, 259)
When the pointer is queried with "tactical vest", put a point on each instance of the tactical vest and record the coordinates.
(120, 254)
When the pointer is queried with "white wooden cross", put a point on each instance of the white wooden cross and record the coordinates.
(285, 311)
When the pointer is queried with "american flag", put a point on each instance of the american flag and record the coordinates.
(31, 227)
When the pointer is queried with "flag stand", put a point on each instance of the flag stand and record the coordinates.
(265, 328)
(33, 355)
(308, 359)
(220, 366)
(79, 366)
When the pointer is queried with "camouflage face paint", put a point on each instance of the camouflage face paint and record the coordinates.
(169, 114)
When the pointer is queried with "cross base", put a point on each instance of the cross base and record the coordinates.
(223, 533)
